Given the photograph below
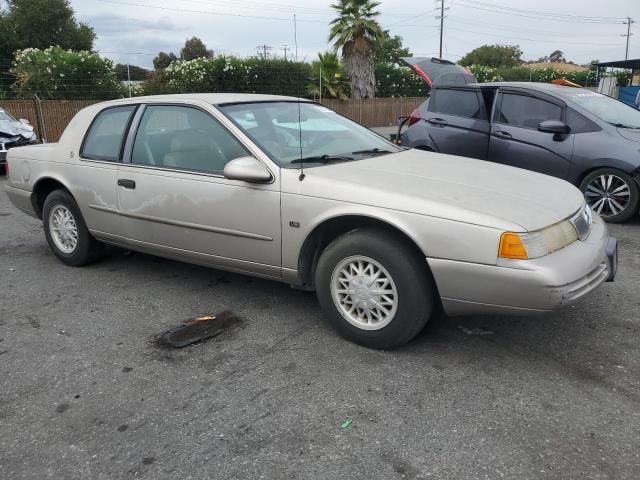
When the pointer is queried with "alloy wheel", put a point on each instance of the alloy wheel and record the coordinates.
(364, 293)
(608, 195)
(63, 228)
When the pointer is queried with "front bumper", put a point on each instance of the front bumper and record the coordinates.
(528, 286)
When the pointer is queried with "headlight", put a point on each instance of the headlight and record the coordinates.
(539, 243)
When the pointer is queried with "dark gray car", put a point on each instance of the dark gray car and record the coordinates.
(588, 139)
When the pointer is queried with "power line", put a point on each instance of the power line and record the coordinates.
(441, 18)
(519, 12)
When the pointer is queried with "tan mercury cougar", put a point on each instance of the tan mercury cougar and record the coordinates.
(289, 190)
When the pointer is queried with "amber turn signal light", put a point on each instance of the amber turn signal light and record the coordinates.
(511, 246)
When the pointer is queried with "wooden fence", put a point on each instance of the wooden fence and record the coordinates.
(50, 117)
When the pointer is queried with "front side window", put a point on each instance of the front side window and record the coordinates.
(106, 134)
(291, 131)
(184, 138)
(4, 116)
(527, 112)
(461, 103)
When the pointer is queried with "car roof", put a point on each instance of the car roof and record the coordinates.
(549, 88)
(212, 98)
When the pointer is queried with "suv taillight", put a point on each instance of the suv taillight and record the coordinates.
(414, 117)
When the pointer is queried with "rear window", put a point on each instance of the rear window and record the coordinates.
(527, 112)
(106, 134)
(462, 103)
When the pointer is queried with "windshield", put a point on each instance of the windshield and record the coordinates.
(607, 109)
(314, 134)
(5, 116)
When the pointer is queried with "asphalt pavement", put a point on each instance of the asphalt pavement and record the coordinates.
(87, 393)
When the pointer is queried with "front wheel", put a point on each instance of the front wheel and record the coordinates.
(374, 288)
(66, 232)
(612, 194)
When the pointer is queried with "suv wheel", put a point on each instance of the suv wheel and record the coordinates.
(374, 289)
(66, 232)
(612, 194)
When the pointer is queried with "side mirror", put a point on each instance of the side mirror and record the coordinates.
(247, 169)
(553, 126)
(25, 121)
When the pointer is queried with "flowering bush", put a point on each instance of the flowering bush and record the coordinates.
(57, 73)
(232, 74)
(546, 75)
(395, 81)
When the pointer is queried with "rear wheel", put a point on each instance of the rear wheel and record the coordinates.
(612, 194)
(374, 289)
(66, 232)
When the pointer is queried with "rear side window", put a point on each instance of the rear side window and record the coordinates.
(462, 103)
(106, 134)
(579, 123)
(525, 111)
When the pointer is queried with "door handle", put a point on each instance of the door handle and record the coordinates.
(437, 121)
(130, 184)
(501, 134)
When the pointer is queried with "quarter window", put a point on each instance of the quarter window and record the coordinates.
(104, 139)
(527, 112)
(184, 138)
(462, 103)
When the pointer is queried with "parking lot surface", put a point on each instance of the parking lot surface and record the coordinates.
(85, 393)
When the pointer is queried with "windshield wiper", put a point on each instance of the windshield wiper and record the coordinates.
(622, 125)
(371, 150)
(323, 159)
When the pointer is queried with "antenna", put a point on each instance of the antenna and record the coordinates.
(302, 175)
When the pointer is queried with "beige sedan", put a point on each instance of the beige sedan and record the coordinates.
(288, 190)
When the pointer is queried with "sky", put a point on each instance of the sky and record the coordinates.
(133, 31)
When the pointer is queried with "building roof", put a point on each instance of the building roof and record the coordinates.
(621, 63)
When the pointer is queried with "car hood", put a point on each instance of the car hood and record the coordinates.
(446, 186)
(10, 129)
(630, 134)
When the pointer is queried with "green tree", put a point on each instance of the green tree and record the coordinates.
(557, 56)
(358, 34)
(494, 56)
(136, 73)
(390, 49)
(40, 24)
(331, 71)
(195, 48)
(163, 60)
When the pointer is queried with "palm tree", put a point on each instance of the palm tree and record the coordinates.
(333, 81)
(357, 32)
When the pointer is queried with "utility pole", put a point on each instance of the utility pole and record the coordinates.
(285, 48)
(628, 35)
(441, 18)
(295, 34)
(263, 51)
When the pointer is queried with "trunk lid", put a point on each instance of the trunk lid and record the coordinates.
(436, 71)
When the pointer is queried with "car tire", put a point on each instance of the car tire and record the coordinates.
(66, 231)
(381, 321)
(608, 189)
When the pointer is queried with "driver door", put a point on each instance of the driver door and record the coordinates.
(515, 139)
(175, 201)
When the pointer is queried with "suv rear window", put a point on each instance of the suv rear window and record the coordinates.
(461, 103)
(525, 111)
(105, 136)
